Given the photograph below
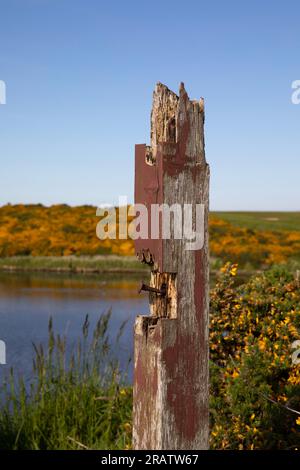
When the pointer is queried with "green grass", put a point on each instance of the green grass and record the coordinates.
(262, 220)
(79, 264)
(105, 265)
(75, 399)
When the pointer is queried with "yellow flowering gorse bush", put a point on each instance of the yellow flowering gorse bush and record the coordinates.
(253, 378)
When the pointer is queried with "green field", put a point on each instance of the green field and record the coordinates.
(262, 220)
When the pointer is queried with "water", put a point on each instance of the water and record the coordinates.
(27, 301)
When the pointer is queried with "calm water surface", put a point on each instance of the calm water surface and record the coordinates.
(27, 301)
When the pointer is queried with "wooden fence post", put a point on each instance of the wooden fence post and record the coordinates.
(170, 409)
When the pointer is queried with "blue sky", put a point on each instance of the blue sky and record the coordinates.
(80, 76)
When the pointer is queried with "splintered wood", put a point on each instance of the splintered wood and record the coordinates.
(170, 408)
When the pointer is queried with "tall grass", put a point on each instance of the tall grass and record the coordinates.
(76, 398)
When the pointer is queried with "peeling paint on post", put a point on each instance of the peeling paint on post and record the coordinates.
(170, 409)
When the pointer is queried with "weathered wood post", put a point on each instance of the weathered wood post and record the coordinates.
(170, 408)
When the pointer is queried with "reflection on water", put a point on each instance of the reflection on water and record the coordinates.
(27, 301)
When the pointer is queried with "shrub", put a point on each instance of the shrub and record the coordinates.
(254, 384)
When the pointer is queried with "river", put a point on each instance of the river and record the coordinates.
(28, 300)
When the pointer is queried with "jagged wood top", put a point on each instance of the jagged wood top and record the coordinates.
(170, 113)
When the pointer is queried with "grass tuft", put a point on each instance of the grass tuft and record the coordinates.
(76, 399)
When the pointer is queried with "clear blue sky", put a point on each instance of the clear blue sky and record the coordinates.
(80, 75)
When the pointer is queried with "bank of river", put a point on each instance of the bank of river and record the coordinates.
(99, 264)
(73, 264)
